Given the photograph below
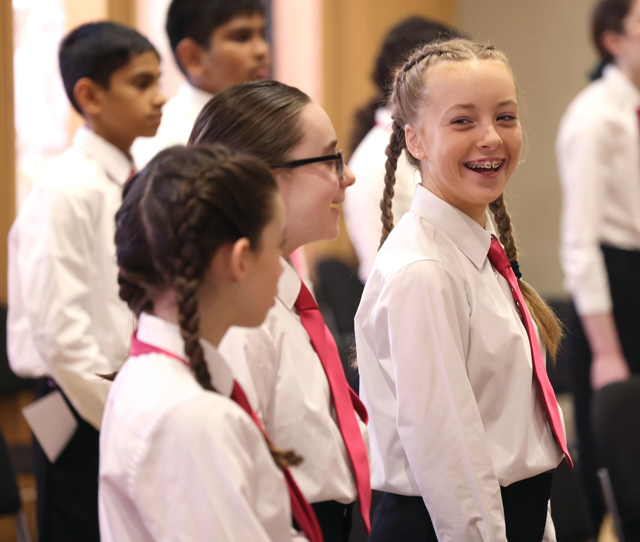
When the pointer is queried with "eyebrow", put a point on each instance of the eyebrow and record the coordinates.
(331, 146)
(472, 106)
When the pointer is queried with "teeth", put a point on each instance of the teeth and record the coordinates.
(486, 165)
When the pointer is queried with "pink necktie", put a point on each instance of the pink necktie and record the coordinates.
(499, 260)
(300, 508)
(345, 400)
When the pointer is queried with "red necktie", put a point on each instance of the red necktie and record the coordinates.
(345, 400)
(499, 260)
(300, 508)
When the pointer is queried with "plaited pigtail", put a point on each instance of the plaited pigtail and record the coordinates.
(546, 320)
(393, 152)
(187, 282)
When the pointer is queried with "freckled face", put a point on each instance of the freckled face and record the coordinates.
(469, 137)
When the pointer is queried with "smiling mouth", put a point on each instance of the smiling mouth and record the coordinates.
(485, 167)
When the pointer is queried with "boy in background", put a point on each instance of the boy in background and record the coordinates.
(216, 44)
(66, 323)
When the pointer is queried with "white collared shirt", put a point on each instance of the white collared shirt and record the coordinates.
(598, 151)
(66, 319)
(178, 117)
(286, 384)
(446, 374)
(178, 462)
(362, 201)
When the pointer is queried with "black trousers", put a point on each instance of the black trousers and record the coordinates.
(623, 270)
(67, 506)
(335, 520)
(399, 517)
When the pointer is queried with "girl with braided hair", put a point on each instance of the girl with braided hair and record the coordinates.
(198, 243)
(290, 365)
(465, 429)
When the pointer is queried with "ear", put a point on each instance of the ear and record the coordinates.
(610, 40)
(189, 55)
(414, 144)
(239, 260)
(88, 95)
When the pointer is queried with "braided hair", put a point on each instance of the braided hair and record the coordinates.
(410, 92)
(175, 215)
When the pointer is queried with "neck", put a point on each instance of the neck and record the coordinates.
(123, 144)
(213, 324)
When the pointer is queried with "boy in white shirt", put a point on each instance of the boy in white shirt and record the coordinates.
(216, 44)
(66, 323)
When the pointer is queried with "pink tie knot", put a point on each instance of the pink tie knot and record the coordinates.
(305, 300)
(497, 257)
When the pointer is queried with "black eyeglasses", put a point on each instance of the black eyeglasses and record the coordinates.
(337, 157)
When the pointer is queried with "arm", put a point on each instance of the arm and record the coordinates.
(585, 168)
(608, 363)
(438, 419)
(56, 289)
(362, 205)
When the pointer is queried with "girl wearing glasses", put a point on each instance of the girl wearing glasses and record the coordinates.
(285, 367)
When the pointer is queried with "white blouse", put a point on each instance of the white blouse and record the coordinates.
(287, 386)
(178, 462)
(598, 151)
(446, 374)
(66, 319)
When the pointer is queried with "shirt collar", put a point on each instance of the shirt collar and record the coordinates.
(473, 240)
(165, 335)
(383, 117)
(116, 164)
(288, 285)
(194, 95)
(625, 89)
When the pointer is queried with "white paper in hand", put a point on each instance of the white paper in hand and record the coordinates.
(52, 422)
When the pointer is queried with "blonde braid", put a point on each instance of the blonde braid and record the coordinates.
(393, 152)
(544, 317)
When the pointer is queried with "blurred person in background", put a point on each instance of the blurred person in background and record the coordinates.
(598, 151)
(370, 138)
(216, 44)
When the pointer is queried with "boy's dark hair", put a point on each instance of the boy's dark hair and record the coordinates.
(399, 42)
(197, 19)
(96, 50)
(608, 15)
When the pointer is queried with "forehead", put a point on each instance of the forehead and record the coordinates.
(147, 62)
(242, 20)
(473, 82)
(319, 133)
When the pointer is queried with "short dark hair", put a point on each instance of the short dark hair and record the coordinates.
(608, 15)
(197, 19)
(96, 50)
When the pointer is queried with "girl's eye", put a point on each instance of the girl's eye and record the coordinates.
(508, 117)
(461, 121)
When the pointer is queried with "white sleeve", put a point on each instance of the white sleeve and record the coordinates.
(362, 207)
(584, 166)
(56, 293)
(207, 476)
(426, 312)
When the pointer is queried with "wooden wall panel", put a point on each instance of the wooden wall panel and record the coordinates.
(7, 140)
(353, 31)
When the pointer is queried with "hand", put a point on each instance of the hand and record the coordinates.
(608, 369)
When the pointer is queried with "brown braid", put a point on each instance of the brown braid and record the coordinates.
(544, 317)
(187, 272)
(393, 152)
